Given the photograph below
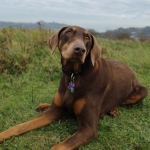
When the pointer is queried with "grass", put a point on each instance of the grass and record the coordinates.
(30, 75)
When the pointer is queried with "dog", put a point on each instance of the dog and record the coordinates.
(90, 87)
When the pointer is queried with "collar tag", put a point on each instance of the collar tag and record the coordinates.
(71, 85)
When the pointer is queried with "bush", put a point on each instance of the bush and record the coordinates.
(19, 47)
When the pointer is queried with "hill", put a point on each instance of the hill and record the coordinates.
(29, 75)
(51, 25)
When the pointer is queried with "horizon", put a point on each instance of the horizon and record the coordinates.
(72, 25)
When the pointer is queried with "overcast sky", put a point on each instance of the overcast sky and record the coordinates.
(100, 15)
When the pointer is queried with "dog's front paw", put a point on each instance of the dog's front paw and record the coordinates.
(1, 138)
(43, 106)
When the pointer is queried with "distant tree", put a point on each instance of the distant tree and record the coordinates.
(94, 32)
(119, 34)
(143, 37)
(123, 35)
(109, 34)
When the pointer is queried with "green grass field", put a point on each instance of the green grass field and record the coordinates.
(30, 75)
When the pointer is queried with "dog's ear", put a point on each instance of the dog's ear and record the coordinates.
(95, 51)
(53, 41)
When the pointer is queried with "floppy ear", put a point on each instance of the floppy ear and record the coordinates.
(95, 51)
(53, 41)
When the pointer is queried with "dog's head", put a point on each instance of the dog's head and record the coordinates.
(75, 44)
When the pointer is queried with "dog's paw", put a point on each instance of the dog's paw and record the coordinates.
(1, 138)
(43, 106)
(114, 112)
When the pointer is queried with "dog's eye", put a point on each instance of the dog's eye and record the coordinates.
(69, 32)
(87, 37)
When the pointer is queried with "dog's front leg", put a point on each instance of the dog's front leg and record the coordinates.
(55, 112)
(88, 127)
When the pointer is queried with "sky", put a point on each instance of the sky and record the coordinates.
(100, 15)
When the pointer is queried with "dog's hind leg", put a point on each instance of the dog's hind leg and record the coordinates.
(140, 93)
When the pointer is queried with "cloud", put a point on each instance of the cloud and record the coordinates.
(87, 13)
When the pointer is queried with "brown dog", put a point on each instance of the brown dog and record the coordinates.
(90, 87)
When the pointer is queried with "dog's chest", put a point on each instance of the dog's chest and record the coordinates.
(68, 101)
(79, 91)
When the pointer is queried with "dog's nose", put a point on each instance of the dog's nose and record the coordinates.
(79, 50)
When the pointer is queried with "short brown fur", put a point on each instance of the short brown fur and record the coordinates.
(101, 86)
(58, 100)
(78, 106)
